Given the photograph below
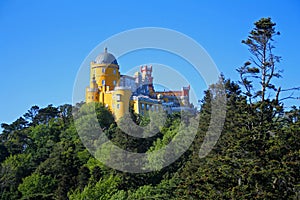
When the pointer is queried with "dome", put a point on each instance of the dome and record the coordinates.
(106, 58)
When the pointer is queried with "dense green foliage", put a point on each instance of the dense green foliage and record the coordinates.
(256, 157)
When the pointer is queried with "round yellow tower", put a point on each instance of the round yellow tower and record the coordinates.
(92, 92)
(120, 101)
(106, 71)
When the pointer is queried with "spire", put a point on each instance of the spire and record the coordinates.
(94, 84)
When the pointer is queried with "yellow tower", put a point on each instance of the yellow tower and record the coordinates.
(120, 101)
(104, 77)
(104, 85)
(92, 92)
(105, 68)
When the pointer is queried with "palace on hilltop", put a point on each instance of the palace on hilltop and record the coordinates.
(118, 92)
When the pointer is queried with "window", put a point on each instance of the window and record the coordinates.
(103, 70)
(118, 97)
(103, 82)
(114, 82)
(115, 71)
(143, 106)
(118, 106)
(147, 106)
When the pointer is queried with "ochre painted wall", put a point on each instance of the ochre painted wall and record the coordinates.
(120, 102)
(108, 73)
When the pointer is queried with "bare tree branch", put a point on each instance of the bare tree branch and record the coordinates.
(289, 89)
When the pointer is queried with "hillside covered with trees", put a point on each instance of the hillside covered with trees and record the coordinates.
(256, 157)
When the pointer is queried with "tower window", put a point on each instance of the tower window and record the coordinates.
(103, 70)
(103, 82)
(115, 71)
(114, 82)
(118, 106)
(118, 97)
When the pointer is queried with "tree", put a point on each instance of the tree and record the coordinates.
(65, 113)
(262, 64)
(44, 115)
(3, 152)
(37, 186)
(103, 189)
(31, 113)
(14, 136)
(13, 169)
(19, 124)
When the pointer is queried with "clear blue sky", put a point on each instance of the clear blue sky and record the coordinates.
(43, 43)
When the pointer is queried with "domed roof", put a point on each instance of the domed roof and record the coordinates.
(106, 58)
